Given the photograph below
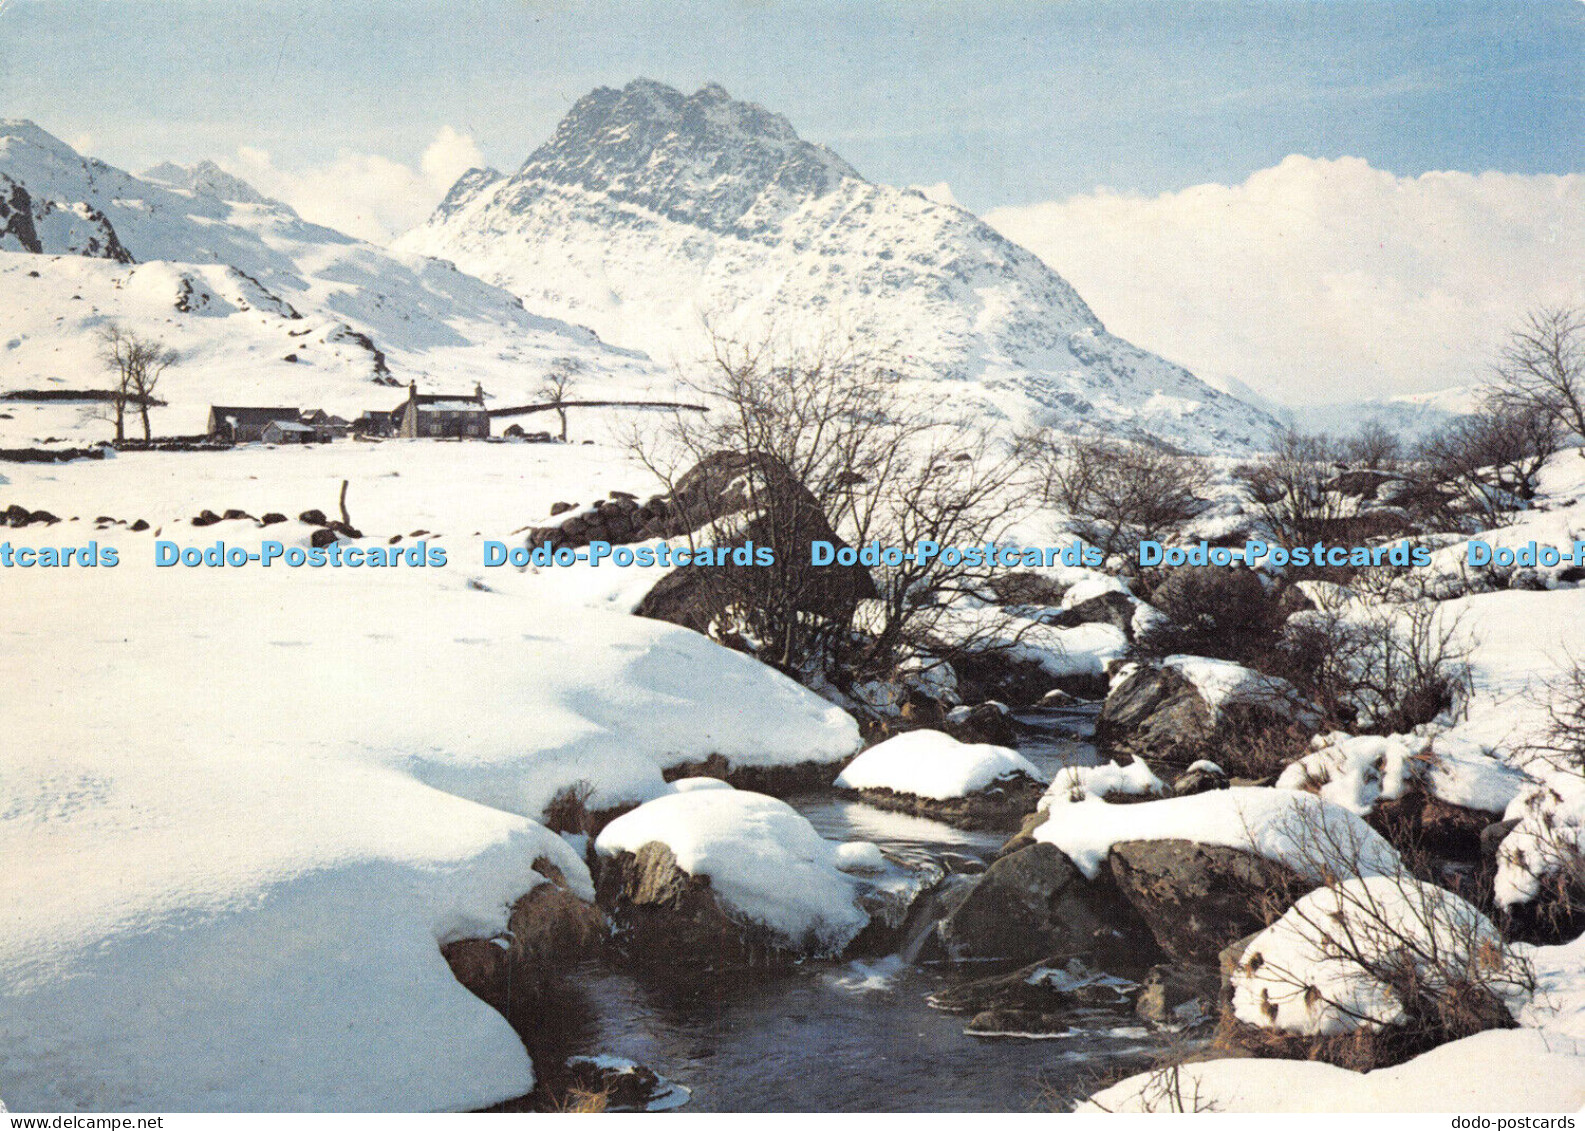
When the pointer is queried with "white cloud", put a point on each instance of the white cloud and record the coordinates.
(363, 194)
(1321, 280)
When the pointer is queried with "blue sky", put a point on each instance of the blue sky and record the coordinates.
(1010, 103)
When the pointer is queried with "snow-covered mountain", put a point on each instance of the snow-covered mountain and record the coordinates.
(650, 212)
(264, 307)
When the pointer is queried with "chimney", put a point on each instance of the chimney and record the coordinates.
(478, 391)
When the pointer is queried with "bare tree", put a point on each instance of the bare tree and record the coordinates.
(825, 428)
(137, 363)
(1543, 367)
(1492, 458)
(556, 389)
(1118, 493)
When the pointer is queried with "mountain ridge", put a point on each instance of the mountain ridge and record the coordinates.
(649, 213)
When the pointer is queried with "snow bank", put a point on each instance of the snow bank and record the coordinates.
(1314, 971)
(1309, 835)
(1356, 771)
(241, 812)
(1499, 1071)
(765, 861)
(927, 763)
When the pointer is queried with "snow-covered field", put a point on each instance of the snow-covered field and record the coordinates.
(241, 808)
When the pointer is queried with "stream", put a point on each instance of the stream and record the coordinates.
(859, 1035)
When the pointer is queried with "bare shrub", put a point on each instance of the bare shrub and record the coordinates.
(568, 811)
(877, 464)
(1377, 668)
(1225, 612)
(1118, 493)
(1373, 446)
(1289, 488)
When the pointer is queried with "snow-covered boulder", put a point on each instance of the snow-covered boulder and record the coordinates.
(1313, 837)
(1357, 771)
(974, 785)
(1431, 788)
(1179, 707)
(727, 876)
(1375, 952)
(1108, 779)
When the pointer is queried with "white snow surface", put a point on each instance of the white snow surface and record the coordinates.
(1280, 825)
(765, 861)
(242, 809)
(928, 763)
(1498, 1071)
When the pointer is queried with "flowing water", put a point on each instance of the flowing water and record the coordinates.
(859, 1035)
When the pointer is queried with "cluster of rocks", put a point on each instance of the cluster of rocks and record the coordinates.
(18, 515)
(327, 530)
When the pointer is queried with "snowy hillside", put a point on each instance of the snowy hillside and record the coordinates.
(264, 307)
(649, 212)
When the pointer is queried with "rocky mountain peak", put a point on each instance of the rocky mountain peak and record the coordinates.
(208, 178)
(704, 158)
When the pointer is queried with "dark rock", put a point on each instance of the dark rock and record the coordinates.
(1025, 836)
(17, 515)
(206, 518)
(562, 508)
(1155, 709)
(312, 517)
(323, 536)
(43, 516)
(1492, 836)
(1200, 779)
(1179, 995)
(999, 675)
(1114, 608)
(1017, 1023)
(987, 722)
(233, 514)
(139, 525)
(1035, 902)
(345, 530)
(715, 490)
(272, 518)
(999, 806)
(1196, 898)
